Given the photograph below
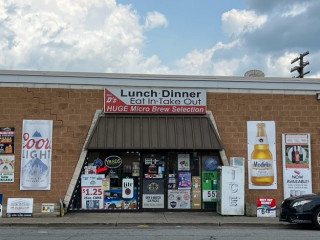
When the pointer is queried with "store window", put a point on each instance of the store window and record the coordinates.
(121, 181)
(116, 176)
(192, 180)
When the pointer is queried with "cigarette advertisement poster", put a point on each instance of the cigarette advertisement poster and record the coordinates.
(262, 165)
(297, 177)
(20, 207)
(266, 207)
(7, 168)
(7, 137)
(179, 199)
(154, 100)
(36, 155)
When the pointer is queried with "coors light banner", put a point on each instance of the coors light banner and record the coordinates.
(154, 100)
(36, 155)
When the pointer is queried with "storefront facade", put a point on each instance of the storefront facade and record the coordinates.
(151, 161)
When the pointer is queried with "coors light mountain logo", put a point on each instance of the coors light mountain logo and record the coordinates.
(36, 152)
(36, 148)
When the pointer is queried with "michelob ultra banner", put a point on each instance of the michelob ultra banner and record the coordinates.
(36, 155)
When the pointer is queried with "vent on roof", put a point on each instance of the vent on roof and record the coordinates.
(254, 73)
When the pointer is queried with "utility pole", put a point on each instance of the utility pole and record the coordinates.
(301, 65)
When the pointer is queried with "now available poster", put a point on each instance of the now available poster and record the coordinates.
(297, 177)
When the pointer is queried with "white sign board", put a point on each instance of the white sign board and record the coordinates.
(153, 201)
(91, 180)
(297, 176)
(92, 198)
(155, 100)
(20, 207)
(127, 188)
(179, 199)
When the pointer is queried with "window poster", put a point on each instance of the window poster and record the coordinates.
(6, 168)
(7, 137)
(114, 201)
(297, 177)
(92, 198)
(106, 184)
(153, 193)
(184, 180)
(183, 162)
(179, 199)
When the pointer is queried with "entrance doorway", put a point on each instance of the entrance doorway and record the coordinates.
(153, 181)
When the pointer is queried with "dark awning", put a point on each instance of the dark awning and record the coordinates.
(130, 132)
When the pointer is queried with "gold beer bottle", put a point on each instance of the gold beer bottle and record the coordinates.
(261, 159)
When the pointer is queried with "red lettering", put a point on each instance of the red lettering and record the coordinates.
(32, 143)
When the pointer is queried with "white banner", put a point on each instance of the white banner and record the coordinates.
(297, 177)
(154, 100)
(36, 155)
(19, 207)
(262, 164)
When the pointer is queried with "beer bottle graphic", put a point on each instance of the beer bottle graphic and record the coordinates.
(262, 173)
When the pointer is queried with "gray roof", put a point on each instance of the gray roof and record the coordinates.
(132, 132)
(80, 80)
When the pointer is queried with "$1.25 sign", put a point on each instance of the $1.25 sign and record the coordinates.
(92, 198)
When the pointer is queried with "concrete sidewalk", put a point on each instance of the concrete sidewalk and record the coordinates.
(106, 219)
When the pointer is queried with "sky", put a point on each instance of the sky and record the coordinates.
(179, 37)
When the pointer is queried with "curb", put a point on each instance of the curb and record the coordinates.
(141, 225)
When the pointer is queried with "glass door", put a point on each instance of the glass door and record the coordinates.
(153, 175)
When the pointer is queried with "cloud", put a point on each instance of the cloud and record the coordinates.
(154, 20)
(202, 61)
(67, 35)
(295, 10)
(104, 36)
(237, 22)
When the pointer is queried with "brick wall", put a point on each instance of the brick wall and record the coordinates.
(72, 111)
(291, 113)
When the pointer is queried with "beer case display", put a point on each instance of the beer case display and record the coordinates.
(113, 200)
